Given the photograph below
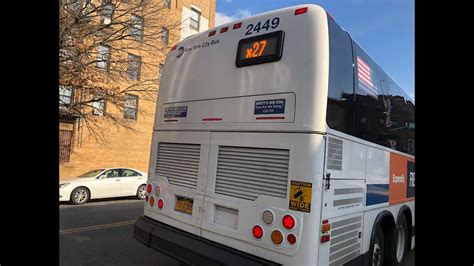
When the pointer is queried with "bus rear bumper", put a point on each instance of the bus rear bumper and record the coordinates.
(189, 248)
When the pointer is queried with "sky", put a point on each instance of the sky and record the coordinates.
(384, 28)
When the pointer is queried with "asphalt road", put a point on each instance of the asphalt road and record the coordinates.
(101, 233)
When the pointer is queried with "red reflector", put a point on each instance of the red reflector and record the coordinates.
(301, 10)
(257, 231)
(288, 221)
(325, 221)
(270, 117)
(174, 47)
(212, 119)
(237, 25)
(212, 33)
(160, 203)
(149, 188)
(291, 239)
(324, 238)
(146, 198)
(224, 29)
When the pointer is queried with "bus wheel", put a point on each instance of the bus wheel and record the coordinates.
(400, 242)
(377, 247)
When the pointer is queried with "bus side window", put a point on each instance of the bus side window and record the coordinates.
(371, 102)
(383, 114)
(402, 118)
(340, 108)
(410, 127)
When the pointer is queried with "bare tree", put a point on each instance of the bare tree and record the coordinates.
(108, 50)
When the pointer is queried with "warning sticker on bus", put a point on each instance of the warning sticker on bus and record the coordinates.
(264, 107)
(300, 196)
(176, 111)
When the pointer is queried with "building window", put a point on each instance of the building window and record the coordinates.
(165, 35)
(65, 95)
(160, 71)
(106, 13)
(103, 56)
(195, 19)
(134, 66)
(167, 4)
(131, 106)
(137, 27)
(98, 105)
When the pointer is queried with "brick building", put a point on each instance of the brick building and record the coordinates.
(80, 151)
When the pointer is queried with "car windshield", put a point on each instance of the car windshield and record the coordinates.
(92, 173)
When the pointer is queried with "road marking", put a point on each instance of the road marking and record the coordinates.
(95, 227)
(99, 203)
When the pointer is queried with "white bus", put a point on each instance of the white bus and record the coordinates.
(279, 141)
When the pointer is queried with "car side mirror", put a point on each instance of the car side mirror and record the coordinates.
(102, 176)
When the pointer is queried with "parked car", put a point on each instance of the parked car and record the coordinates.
(103, 183)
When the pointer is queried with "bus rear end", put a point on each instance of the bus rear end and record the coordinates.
(237, 156)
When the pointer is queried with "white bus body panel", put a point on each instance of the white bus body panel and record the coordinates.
(296, 74)
(229, 94)
(354, 214)
(306, 165)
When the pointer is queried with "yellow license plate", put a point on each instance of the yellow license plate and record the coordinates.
(184, 205)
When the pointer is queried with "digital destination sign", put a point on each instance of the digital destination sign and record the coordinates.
(260, 49)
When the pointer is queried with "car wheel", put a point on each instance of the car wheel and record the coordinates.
(80, 195)
(377, 249)
(399, 242)
(141, 192)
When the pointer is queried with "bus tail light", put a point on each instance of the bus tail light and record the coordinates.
(291, 239)
(174, 47)
(152, 201)
(224, 29)
(300, 11)
(325, 228)
(157, 190)
(257, 231)
(288, 221)
(149, 188)
(324, 238)
(160, 203)
(146, 198)
(212, 33)
(277, 237)
(237, 25)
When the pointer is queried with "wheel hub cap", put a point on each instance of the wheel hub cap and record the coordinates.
(401, 243)
(377, 259)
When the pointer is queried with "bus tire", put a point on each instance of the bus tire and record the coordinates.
(80, 195)
(377, 247)
(399, 242)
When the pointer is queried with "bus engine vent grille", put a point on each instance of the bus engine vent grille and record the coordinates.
(247, 173)
(179, 163)
(334, 154)
(345, 241)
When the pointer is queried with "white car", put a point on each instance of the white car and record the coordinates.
(103, 183)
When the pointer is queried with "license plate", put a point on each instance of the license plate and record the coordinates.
(184, 205)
